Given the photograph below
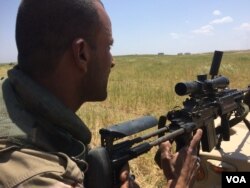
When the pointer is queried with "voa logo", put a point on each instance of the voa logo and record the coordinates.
(236, 179)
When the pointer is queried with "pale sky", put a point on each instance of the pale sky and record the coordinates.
(153, 26)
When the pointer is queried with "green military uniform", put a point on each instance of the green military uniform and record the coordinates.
(42, 143)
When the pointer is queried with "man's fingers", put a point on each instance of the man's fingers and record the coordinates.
(194, 142)
(124, 174)
(167, 159)
(166, 150)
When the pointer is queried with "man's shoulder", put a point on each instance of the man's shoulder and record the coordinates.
(21, 162)
(28, 167)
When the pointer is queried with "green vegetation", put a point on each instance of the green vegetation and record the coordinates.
(141, 85)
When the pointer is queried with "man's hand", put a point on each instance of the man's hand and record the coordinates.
(127, 180)
(180, 168)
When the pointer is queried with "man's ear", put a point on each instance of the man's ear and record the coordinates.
(81, 53)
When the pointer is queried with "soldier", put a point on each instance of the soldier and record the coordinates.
(64, 60)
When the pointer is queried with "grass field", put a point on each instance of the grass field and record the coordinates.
(142, 85)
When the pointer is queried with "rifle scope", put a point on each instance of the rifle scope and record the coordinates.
(201, 87)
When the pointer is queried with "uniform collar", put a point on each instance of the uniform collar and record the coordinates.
(41, 102)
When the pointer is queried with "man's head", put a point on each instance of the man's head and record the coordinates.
(45, 29)
(54, 33)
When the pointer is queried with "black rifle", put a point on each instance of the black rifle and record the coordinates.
(208, 99)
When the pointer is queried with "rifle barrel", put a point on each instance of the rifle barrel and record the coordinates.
(168, 136)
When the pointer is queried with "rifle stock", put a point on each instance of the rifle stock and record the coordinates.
(208, 99)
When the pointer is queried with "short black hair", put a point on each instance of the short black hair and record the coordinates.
(46, 28)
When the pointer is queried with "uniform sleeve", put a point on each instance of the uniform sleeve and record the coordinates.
(32, 168)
